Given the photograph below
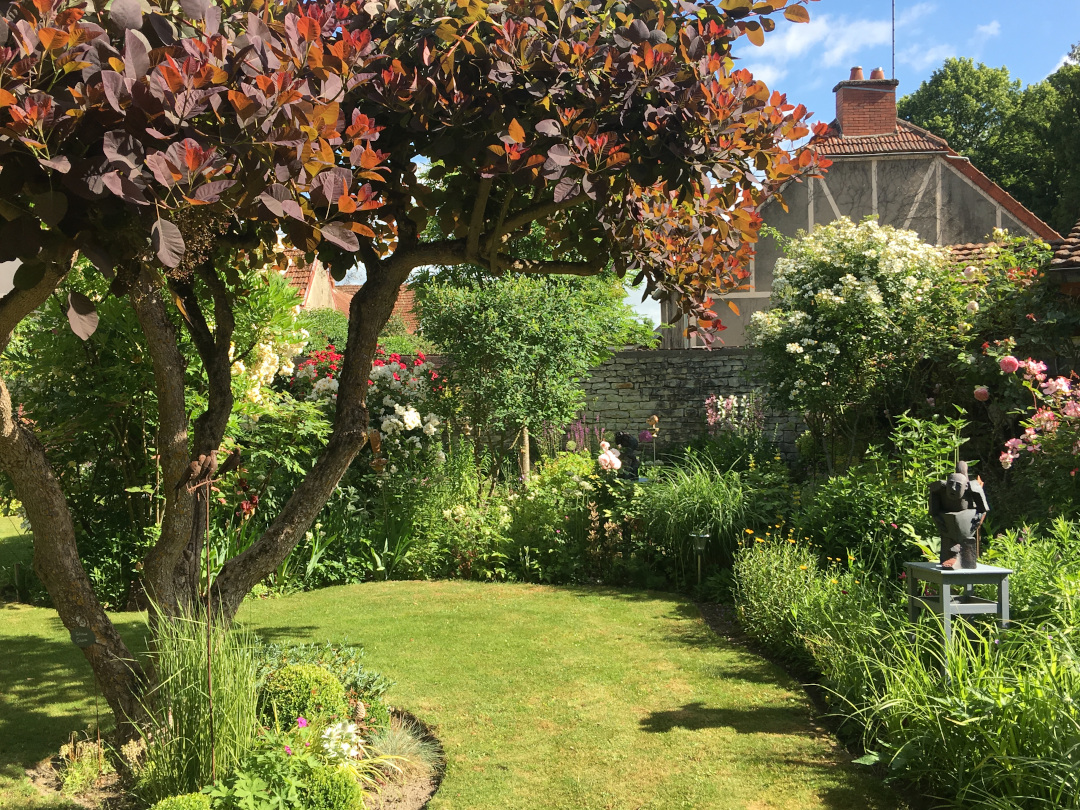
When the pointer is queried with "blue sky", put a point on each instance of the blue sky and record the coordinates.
(805, 61)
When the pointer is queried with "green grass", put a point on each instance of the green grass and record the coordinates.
(543, 697)
(583, 697)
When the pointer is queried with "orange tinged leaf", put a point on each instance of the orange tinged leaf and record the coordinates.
(6, 98)
(369, 158)
(797, 14)
(362, 229)
(755, 33)
(516, 132)
(733, 307)
(307, 28)
(52, 39)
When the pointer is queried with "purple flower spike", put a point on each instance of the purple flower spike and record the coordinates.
(288, 750)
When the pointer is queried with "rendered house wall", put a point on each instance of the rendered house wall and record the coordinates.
(924, 193)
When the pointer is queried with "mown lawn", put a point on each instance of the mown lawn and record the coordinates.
(543, 697)
(583, 697)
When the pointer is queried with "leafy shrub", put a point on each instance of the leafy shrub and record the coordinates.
(331, 788)
(877, 511)
(326, 327)
(301, 690)
(186, 801)
(178, 743)
(856, 311)
(344, 661)
(376, 714)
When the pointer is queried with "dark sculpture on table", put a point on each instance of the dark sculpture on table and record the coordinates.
(958, 506)
(631, 464)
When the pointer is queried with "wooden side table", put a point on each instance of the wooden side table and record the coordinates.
(961, 603)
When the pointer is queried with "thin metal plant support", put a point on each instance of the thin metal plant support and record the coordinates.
(209, 635)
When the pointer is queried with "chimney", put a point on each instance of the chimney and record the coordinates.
(866, 106)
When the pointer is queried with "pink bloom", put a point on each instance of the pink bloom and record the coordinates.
(301, 722)
(1007, 459)
(288, 751)
(1008, 364)
(982, 393)
(1051, 387)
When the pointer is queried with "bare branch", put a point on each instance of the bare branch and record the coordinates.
(539, 211)
(17, 304)
(509, 264)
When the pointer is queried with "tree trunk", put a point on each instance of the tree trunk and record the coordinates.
(56, 557)
(526, 451)
(166, 564)
(370, 310)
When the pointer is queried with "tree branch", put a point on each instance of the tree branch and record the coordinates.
(539, 211)
(172, 440)
(508, 264)
(476, 222)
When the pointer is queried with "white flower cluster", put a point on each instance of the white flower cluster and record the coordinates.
(395, 398)
(341, 742)
(270, 358)
(850, 300)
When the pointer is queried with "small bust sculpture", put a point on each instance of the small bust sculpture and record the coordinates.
(958, 506)
(631, 464)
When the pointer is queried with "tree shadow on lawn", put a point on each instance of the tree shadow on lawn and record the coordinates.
(294, 634)
(756, 720)
(48, 690)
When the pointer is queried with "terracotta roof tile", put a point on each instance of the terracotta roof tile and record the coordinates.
(970, 252)
(1067, 256)
(907, 138)
(343, 295)
(910, 138)
(405, 306)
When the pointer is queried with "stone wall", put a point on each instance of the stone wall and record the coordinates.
(673, 384)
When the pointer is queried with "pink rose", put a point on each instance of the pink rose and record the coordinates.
(982, 393)
(1008, 364)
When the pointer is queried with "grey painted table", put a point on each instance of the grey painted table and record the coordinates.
(962, 603)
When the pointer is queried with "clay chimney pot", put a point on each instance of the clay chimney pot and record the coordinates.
(877, 73)
(856, 74)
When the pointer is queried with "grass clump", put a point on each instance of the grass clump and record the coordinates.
(178, 743)
(415, 750)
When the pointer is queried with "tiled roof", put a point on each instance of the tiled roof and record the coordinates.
(343, 295)
(1067, 256)
(970, 252)
(907, 138)
(299, 273)
(405, 306)
(910, 138)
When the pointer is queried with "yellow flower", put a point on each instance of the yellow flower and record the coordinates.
(856, 582)
(834, 581)
(791, 541)
(748, 531)
(802, 567)
(850, 558)
(759, 540)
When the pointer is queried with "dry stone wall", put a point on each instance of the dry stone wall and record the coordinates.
(673, 384)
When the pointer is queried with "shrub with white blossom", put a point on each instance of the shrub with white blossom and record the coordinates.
(856, 309)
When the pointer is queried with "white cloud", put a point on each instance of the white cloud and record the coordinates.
(921, 58)
(770, 74)
(988, 31)
(827, 41)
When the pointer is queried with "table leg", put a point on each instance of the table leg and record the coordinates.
(946, 608)
(1003, 601)
(912, 603)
